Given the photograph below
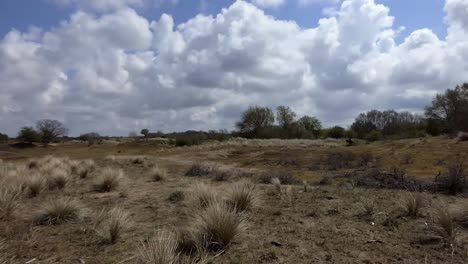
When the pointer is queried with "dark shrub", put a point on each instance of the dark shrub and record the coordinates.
(176, 196)
(340, 160)
(199, 169)
(453, 180)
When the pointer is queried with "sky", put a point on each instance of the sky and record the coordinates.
(116, 66)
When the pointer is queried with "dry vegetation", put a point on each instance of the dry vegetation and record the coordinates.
(239, 201)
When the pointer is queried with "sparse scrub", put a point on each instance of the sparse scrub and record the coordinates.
(57, 211)
(412, 204)
(109, 225)
(406, 159)
(453, 180)
(203, 195)
(221, 175)
(108, 180)
(217, 226)
(158, 174)
(339, 160)
(285, 178)
(199, 169)
(176, 196)
(367, 209)
(242, 197)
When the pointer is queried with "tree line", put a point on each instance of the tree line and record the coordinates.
(447, 114)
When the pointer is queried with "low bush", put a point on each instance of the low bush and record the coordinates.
(199, 169)
(158, 174)
(176, 196)
(284, 177)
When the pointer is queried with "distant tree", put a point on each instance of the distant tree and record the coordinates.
(28, 134)
(311, 124)
(132, 134)
(336, 132)
(387, 122)
(91, 137)
(285, 116)
(255, 119)
(450, 109)
(144, 132)
(3, 138)
(50, 129)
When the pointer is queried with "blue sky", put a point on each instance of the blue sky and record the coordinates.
(413, 14)
(115, 66)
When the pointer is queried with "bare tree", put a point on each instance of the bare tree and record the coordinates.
(285, 116)
(450, 108)
(50, 129)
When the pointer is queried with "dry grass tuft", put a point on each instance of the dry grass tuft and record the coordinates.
(160, 250)
(85, 167)
(444, 224)
(57, 212)
(203, 195)
(9, 196)
(217, 226)
(34, 185)
(108, 180)
(109, 225)
(242, 197)
(412, 204)
(367, 208)
(58, 179)
(158, 174)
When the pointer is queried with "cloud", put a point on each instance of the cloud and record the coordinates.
(311, 2)
(114, 72)
(268, 3)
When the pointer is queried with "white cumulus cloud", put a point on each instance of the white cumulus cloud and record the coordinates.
(115, 71)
